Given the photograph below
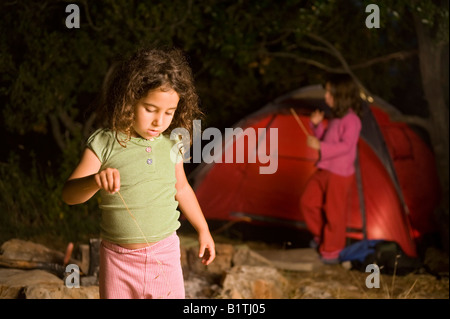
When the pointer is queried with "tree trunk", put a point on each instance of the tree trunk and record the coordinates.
(432, 68)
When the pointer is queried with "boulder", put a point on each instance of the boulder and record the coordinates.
(40, 284)
(17, 249)
(217, 269)
(248, 257)
(58, 291)
(14, 281)
(254, 282)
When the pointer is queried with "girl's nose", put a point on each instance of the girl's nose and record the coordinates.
(158, 119)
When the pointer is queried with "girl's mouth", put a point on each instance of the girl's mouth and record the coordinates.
(153, 133)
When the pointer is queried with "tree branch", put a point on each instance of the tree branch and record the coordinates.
(69, 123)
(278, 39)
(401, 55)
(183, 20)
(88, 125)
(341, 59)
(346, 68)
(88, 17)
(316, 48)
(56, 131)
(414, 120)
(307, 61)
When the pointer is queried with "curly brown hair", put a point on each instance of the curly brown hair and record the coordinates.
(345, 94)
(146, 70)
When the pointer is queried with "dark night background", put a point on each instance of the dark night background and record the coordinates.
(243, 54)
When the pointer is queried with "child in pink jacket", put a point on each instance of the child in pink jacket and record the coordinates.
(325, 200)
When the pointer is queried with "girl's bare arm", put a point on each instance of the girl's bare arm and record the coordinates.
(86, 180)
(190, 207)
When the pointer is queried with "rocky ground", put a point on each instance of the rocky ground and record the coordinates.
(244, 268)
(263, 271)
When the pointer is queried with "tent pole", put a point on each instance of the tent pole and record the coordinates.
(359, 186)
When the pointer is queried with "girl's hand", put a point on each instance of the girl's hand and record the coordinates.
(316, 117)
(207, 251)
(313, 142)
(108, 179)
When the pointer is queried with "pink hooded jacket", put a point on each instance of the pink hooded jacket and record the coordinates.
(338, 144)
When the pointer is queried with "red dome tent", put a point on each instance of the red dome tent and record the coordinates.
(396, 188)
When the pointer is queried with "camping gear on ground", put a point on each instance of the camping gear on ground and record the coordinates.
(387, 255)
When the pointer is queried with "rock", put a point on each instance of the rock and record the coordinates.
(14, 281)
(436, 261)
(314, 292)
(39, 284)
(28, 251)
(221, 264)
(254, 282)
(89, 281)
(198, 287)
(84, 251)
(94, 256)
(300, 259)
(202, 281)
(248, 257)
(60, 291)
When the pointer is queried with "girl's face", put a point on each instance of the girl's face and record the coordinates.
(328, 97)
(154, 113)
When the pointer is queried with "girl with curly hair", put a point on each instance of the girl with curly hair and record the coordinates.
(138, 169)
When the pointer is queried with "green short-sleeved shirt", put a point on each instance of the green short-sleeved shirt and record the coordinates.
(147, 178)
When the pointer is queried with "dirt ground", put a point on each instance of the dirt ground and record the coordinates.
(341, 282)
(336, 282)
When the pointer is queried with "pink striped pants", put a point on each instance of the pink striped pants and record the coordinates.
(151, 272)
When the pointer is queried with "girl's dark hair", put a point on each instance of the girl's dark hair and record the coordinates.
(345, 94)
(146, 70)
